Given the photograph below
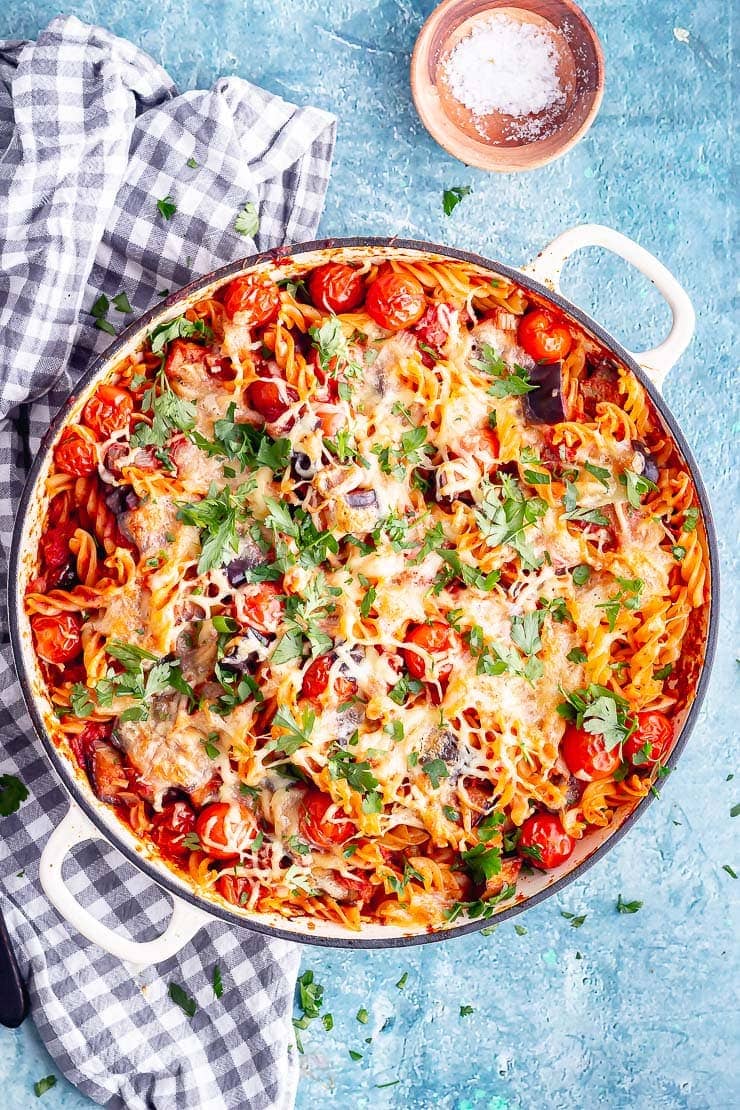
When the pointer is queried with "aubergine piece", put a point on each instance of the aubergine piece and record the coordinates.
(247, 653)
(107, 772)
(303, 467)
(250, 556)
(545, 403)
(362, 499)
(601, 383)
(122, 499)
(644, 463)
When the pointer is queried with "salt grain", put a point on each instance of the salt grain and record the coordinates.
(506, 67)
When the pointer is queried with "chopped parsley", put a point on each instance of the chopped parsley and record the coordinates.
(217, 516)
(12, 793)
(451, 197)
(581, 574)
(600, 711)
(435, 770)
(41, 1086)
(79, 700)
(166, 207)
(628, 907)
(627, 597)
(405, 686)
(576, 655)
(247, 221)
(363, 1016)
(504, 515)
(402, 981)
(575, 920)
(600, 473)
(636, 486)
(295, 735)
(525, 631)
(509, 381)
(218, 986)
(663, 672)
(333, 349)
(187, 1004)
(99, 311)
(412, 452)
(690, 519)
(466, 1011)
(359, 775)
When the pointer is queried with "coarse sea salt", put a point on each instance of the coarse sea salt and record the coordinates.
(504, 66)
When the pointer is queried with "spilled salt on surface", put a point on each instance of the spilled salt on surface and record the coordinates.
(505, 66)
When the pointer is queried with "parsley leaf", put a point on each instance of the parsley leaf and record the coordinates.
(121, 303)
(482, 862)
(581, 574)
(575, 921)
(248, 221)
(525, 631)
(510, 381)
(167, 207)
(466, 1011)
(295, 735)
(41, 1086)
(435, 770)
(451, 197)
(504, 515)
(628, 907)
(79, 699)
(218, 986)
(12, 793)
(360, 777)
(690, 519)
(216, 515)
(187, 1004)
(179, 328)
(636, 485)
(600, 711)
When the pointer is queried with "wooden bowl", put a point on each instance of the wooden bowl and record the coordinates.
(498, 142)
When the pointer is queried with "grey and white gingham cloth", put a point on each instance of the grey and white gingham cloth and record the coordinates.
(92, 134)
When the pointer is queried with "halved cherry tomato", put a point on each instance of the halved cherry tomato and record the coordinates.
(256, 295)
(542, 337)
(108, 410)
(650, 740)
(434, 327)
(260, 605)
(234, 888)
(395, 300)
(434, 637)
(54, 544)
(315, 825)
(336, 287)
(75, 455)
(316, 679)
(269, 400)
(58, 638)
(170, 827)
(546, 836)
(226, 829)
(587, 755)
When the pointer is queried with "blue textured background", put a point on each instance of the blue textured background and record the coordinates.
(627, 1011)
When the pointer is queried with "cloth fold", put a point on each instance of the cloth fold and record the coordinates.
(92, 134)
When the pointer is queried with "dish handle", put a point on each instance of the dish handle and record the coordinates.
(547, 268)
(74, 829)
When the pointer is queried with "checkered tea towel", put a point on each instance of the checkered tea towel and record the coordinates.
(92, 134)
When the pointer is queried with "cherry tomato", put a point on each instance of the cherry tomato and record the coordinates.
(260, 605)
(434, 326)
(170, 827)
(435, 637)
(269, 400)
(395, 300)
(58, 638)
(316, 679)
(650, 740)
(542, 337)
(315, 825)
(587, 755)
(108, 410)
(551, 843)
(234, 888)
(75, 455)
(226, 830)
(54, 544)
(336, 287)
(256, 295)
